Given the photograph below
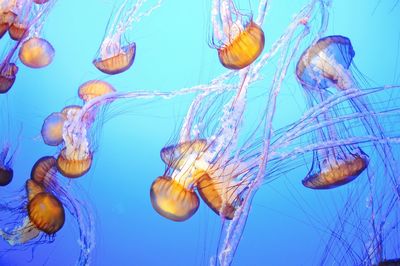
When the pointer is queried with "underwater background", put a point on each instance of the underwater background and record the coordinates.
(172, 52)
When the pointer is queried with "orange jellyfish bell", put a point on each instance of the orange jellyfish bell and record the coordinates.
(337, 174)
(36, 52)
(8, 74)
(210, 191)
(6, 175)
(244, 48)
(172, 200)
(73, 165)
(52, 129)
(116, 63)
(93, 89)
(44, 170)
(18, 31)
(46, 212)
(6, 19)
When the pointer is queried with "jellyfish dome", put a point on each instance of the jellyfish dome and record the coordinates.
(326, 63)
(244, 48)
(6, 175)
(94, 88)
(172, 200)
(8, 72)
(6, 20)
(46, 212)
(36, 53)
(115, 60)
(52, 129)
(74, 163)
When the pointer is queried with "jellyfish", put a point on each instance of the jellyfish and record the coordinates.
(19, 28)
(237, 38)
(94, 88)
(36, 52)
(8, 72)
(46, 212)
(115, 56)
(52, 129)
(7, 16)
(6, 171)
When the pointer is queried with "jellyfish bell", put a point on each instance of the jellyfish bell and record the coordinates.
(114, 60)
(391, 262)
(8, 72)
(6, 175)
(73, 163)
(18, 31)
(333, 172)
(44, 170)
(242, 49)
(33, 188)
(52, 129)
(6, 20)
(223, 203)
(176, 156)
(46, 212)
(326, 63)
(172, 200)
(36, 52)
(94, 88)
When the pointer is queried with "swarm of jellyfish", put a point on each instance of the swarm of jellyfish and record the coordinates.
(217, 159)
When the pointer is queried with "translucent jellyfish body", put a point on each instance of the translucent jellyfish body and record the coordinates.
(52, 129)
(6, 20)
(74, 164)
(36, 52)
(339, 168)
(239, 40)
(6, 171)
(46, 212)
(115, 54)
(243, 49)
(8, 72)
(326, 63)
(173, 200)
(116, 61)
(94, 88)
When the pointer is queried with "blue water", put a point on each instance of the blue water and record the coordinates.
(172, 53)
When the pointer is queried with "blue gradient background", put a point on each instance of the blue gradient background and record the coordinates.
(172, 52)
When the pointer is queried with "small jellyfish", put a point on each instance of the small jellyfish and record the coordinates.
(237, 38)
(172, 199)
(33, 188)
(6, 20)
(46, 212)
(93, 89)
(73, 163)
(19, 29)
(52, 129)
(115, 56)
(336, 168)
(6, 171)
(36, 52)
(8, 72)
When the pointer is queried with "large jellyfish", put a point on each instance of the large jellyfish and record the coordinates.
(115, 54)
